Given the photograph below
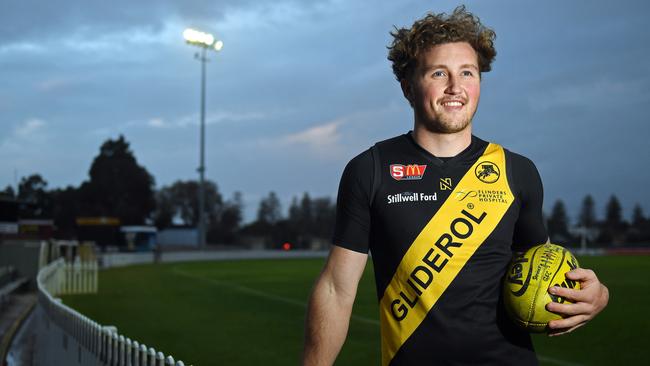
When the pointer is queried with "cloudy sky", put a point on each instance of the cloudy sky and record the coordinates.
(301, 87)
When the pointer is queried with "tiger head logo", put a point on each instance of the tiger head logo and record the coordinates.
(487, 172)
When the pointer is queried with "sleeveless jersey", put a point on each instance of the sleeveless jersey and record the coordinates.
(441, 233)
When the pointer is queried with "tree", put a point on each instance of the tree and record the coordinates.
(8, 193)
(66, 209)
(301, 218)
(294, 211)
(225, 225)
(270, 210)
(118, 186)
(324, 217)
(637, 215)
(613, 212)
(587, 216)
(181, 200)
(306, 214)
(558, 223)
(163, 216)
(36, 201)
(640, 228)
(613, 228)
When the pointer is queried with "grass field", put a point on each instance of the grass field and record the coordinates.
(251, 312)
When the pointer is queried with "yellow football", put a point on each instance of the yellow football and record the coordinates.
(526, 284)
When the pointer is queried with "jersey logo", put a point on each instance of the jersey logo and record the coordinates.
(445, 184)
(407, 172)
(487, 172)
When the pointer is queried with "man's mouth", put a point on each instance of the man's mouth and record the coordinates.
(453, 104)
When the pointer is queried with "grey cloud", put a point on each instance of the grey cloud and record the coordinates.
(42, 21)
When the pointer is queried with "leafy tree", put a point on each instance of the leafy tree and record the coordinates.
(232, 213)
(65, 209)
(306, 214)
(311, 218)
(640, 229)
(613, 212)
(558, 223)
(8, 193)
(587, 216)
(224, 227)
(270, 210)
(294, 210)
(8, 205)
(36, 200)
(637, 215)
(181, 200)
(163, 216)
(324, 217)
(613, 229)
(118, 185)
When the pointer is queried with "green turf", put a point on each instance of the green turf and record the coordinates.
(252, 312)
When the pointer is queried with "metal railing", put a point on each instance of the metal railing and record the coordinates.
(103, 342)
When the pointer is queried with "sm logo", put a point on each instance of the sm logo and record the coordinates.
(407, 172)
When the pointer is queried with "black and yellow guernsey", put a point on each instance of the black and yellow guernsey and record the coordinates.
(442, 232)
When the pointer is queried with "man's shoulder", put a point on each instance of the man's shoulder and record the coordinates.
(522, 172)
(517, 160)
(396, 140)
(366, 157)
(520, 168)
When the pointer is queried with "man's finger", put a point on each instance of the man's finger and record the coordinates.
(568, 293)
(567, 309)
(581, 274)
(569, 322)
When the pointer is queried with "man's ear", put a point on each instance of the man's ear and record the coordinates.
(407, 90)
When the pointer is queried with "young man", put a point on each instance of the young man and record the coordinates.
(442, 212)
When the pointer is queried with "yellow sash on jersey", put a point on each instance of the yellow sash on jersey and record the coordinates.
(443, 247)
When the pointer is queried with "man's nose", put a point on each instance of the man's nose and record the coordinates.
(453, 87)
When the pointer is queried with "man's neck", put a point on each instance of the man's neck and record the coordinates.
(443, 144)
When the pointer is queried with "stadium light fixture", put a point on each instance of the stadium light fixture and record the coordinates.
(206, 41)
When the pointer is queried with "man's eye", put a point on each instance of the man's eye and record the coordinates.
(467, 73)
(438, 73)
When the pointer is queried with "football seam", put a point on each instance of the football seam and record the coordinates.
(533, 304)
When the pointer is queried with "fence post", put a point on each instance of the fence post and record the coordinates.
(169, 361)
(136, 353)
(122, 358)
(109, 347)
(143, 355)
(128, 346)
(78, 276)
(95, 275)
(151, 357)
(116, 347)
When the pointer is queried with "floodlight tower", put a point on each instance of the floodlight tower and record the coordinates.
(207, 42)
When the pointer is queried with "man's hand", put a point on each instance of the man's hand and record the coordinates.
(589, 300)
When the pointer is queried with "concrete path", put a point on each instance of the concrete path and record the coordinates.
(16, 340)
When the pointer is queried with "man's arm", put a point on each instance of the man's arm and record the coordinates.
(593, 296)
(330, 306)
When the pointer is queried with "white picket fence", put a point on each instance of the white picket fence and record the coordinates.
(100, 345)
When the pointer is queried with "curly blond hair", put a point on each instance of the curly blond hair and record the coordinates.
(435, 29)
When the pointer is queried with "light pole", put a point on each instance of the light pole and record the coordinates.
(207, 42)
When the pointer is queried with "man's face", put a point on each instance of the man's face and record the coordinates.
(444, 88)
